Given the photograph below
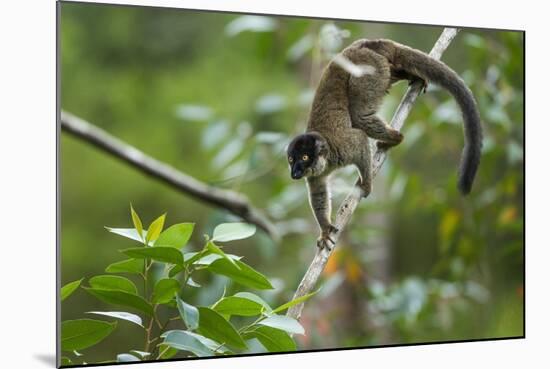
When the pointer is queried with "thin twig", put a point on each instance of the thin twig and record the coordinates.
(231, 201)
(346, 210)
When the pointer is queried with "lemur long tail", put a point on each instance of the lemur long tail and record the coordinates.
(422, 65)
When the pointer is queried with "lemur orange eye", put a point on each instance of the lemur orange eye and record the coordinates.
(305, 158)
(290, 159)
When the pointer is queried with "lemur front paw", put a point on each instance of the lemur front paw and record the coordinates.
(325, 243)
(325, 240)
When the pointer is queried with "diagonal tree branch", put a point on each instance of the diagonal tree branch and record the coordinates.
(231, 201)
(346, 210)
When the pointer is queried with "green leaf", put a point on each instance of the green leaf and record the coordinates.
(294, 302)
(238, 306)
(69, 288)
(233, 231)
(113, 282)
(192, 283)
(211, 344)
(133, 266)
(137, 222)
(192, 257)
(256, 298)
(214, 326)
(274, 340)
(126, 358)
(167, 352)
(211, 246)
(122, 298)
(284, 323)
(181, 340)
(159, 253)
(155, 228)
(189, 314)
(120, 315)
(177, 268)
(176, 236)
(164, 290)
(246, 275)
(83, 333)
(204, 258)
(130, 233)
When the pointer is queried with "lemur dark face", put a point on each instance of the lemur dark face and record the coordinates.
(306, 155)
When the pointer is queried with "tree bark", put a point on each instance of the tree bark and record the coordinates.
(231, 201)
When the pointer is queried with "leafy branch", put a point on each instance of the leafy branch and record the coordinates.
(350, 203)
(198, 330)
(231, 201)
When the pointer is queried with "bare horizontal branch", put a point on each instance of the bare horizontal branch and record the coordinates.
(231, 201)
(346, 210)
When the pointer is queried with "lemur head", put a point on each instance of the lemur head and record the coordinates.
(307, 155)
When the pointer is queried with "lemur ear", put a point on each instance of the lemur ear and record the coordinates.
(321, 146)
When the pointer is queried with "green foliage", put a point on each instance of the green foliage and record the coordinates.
(110, 282)
(176, 236)
(154, 229)
(133, 266)
(212, 248)
(234, 305)
(164, 290)
(121, 298)
(137, 221)
(185, 341)
(233, 231)
(240, 273)
(296, 301)
(120, 315)
(69, 288)
(273, 339)
(83, 333)
(205, 330)
(214, 326)
(188, 313)
(283, 323)
(130, 233)
(162, 254)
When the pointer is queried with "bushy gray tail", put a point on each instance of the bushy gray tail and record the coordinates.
(422, 65)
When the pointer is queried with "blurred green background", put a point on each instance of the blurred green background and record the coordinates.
(219, 95)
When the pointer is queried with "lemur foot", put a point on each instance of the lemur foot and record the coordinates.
(382, 145)
(325, 240)
(385, 145)
(422, 81)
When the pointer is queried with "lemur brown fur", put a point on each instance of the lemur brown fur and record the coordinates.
(343, 117)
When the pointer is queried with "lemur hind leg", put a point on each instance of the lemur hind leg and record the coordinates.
(376, 128)
(387, 49)
(362, 160)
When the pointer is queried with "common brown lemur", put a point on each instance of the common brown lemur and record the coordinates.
(343, 117)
